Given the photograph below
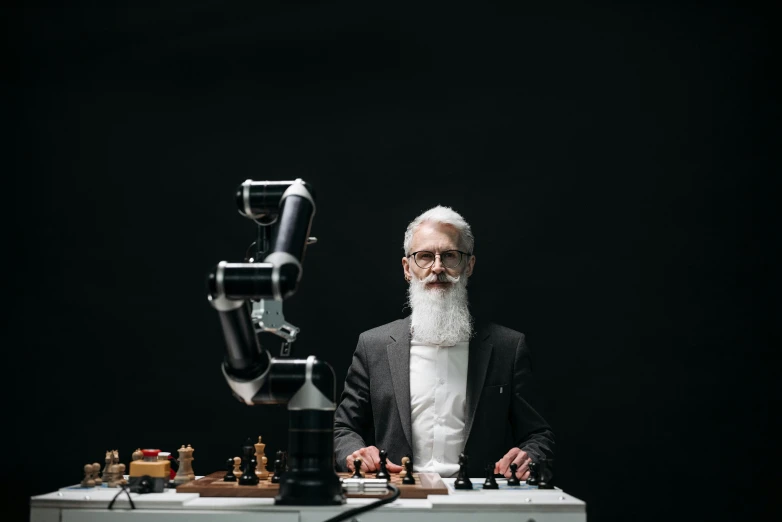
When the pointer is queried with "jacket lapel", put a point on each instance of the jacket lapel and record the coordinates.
(478, 364)
(399, 362)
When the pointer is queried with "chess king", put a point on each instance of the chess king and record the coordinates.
(440, 382)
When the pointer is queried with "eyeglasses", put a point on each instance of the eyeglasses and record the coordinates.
(449, 258)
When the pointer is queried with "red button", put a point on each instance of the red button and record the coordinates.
(150, 452)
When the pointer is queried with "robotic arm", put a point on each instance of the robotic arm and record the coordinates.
(251, 293)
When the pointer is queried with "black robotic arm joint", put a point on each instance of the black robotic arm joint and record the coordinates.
(307, 386)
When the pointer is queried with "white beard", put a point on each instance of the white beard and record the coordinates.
(440, 315)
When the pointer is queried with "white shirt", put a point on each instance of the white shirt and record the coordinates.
(438, 391)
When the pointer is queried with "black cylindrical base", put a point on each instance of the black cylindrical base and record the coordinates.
(311, 480)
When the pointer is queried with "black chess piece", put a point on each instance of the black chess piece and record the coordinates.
(532, 480)
(514, 480)
(462, 480)
(248, 478)
(277, 471)
(490, 482)
(357, 469)
(545, 475)
(383, 473)
(409, 478)
(285, 461)
(229, 474)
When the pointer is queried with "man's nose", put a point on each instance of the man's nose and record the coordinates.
(438, 267)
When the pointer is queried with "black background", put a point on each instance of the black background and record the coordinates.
(614, 161)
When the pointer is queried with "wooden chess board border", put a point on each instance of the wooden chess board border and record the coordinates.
(212, 485)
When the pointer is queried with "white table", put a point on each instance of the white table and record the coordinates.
(73, 504)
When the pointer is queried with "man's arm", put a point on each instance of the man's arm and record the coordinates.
(532, 434)
(353, 421)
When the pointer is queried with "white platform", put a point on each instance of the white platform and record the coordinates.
(506, 504)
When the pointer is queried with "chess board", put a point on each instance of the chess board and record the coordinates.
(213, 486)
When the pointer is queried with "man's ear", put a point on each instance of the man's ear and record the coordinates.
(406, 268)
(470, 266)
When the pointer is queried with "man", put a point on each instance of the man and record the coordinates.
(436, 384)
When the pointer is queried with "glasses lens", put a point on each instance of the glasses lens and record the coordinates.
(451, 258)
(424, 259)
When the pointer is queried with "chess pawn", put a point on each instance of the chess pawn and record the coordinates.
(404, 462)
(532, 480)
(115, 475)
(513, 480)
(490, 482)
(121, 474)
(88, 481)
(96, 474)
(283, 458)
(544, 475)
(357, 468)
(229, 471)
(408, 478)
(137, 455)
(275, 479)
(261, 460)
(237, 466)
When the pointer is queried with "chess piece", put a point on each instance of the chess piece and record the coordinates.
(114, 471)
(248, 478)
(137, 455)
(357, 469)
(282, 456)
(261, 460)
(229, 471)
(403, 473)
(96, 474)
(117, 479)
(88, 481)
(462, 480)
(185, 472)
(107, 467)
(122, 480)
(532, 480)
(277, 472)
(490, 482)
(383, 473)
(514, 480)
(545, 474)
(408, 478)
(237, 466)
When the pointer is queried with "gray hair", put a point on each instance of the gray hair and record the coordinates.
(446, 216)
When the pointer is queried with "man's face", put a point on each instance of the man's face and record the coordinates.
(437, 238)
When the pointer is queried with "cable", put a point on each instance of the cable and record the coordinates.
(124, 488)
(368, 507)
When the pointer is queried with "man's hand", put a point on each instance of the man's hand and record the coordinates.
(370, 460)
(521, 459)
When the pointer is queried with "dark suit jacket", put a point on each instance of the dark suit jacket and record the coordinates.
(374, 409)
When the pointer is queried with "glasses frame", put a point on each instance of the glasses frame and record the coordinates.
(461, 257)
